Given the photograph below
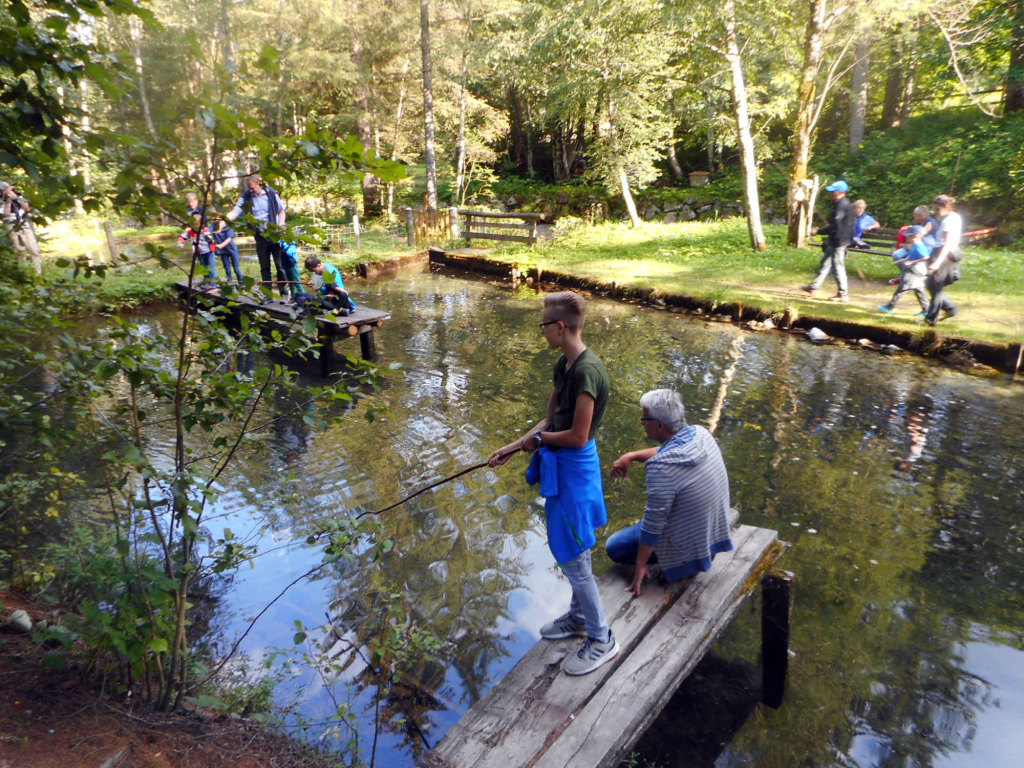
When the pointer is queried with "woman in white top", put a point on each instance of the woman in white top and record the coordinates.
(943, 265)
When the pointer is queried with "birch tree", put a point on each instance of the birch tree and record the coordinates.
(746, 141)
(429, 155)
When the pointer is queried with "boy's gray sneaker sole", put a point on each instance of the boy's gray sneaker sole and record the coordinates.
(561, 627)
(591, 655)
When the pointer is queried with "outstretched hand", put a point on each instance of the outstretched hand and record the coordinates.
(620, 467)
(637, 585)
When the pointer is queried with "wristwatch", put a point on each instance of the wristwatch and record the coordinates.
(536, 440)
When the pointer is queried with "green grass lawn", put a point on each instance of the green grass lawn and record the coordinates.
(713, 261)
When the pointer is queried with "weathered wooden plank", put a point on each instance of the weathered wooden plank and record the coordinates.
(494, 236)
(470, 227)
(498, 215)
(519, 718)
(629, 701)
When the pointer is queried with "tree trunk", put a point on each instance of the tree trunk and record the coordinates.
(1013, 88)
(516, 129)
(135, 33)
(460, 171)
(227, 46)
(398, 133)
(528, 141)
(429, 156)
(797, 215)
(364, 127)
(859, 94)
(907, 98)
(893, 85)
(634, 217)
(673, 161)
(746, 141)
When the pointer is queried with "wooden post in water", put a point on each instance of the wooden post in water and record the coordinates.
(410, 228)
(367, 345)
(111, 242)
(776, 611)
(326, 353)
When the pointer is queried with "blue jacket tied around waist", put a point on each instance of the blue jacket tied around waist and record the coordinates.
(570, 482)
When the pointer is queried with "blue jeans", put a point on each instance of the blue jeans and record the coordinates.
(622, 546)
(207, 260)
(230, 259)
(833, 261)
(585, 605)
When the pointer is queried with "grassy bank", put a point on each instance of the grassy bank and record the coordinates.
(712, 261)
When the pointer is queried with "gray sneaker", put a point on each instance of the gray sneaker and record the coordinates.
(563, 626)
(591, 655)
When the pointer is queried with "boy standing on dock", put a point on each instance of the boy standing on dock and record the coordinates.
(566, 464)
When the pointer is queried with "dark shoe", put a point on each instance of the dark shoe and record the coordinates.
(840, 297)
(810, 289)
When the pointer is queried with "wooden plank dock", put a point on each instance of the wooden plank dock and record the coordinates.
(362, 322)
(538, 716)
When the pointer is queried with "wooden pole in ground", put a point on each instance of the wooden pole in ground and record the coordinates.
(410, 228)
(776, 612)
(111, 241)
(453, 222)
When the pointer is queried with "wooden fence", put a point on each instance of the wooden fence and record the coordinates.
(426, 227)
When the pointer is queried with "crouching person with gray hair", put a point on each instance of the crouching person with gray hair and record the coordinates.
(686, 520)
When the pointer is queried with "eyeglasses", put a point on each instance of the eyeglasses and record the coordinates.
(645, 419)
(549, 322)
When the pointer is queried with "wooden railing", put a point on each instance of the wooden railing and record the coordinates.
(485, 225)
(426, 227)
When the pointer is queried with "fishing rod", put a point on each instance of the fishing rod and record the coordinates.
(448, 479)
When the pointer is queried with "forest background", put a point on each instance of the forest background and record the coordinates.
(112, 109)
(495, 101)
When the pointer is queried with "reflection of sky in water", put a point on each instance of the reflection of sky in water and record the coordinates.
(994, 737)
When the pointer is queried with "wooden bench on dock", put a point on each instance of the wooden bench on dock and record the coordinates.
(538, 716)
(362, 322)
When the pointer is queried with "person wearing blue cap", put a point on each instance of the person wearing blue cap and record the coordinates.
(839, 232)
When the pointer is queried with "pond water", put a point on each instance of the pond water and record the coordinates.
(896, 482)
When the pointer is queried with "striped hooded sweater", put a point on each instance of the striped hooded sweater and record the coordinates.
(687, 514)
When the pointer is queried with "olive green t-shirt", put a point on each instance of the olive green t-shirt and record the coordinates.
(588, 375)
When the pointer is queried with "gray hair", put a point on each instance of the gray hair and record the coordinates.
(665, 405)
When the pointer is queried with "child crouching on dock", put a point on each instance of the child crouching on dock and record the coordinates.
(330, 286)
(566, 464)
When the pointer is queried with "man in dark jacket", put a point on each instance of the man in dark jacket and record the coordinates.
(264, 204)
(839, 231)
